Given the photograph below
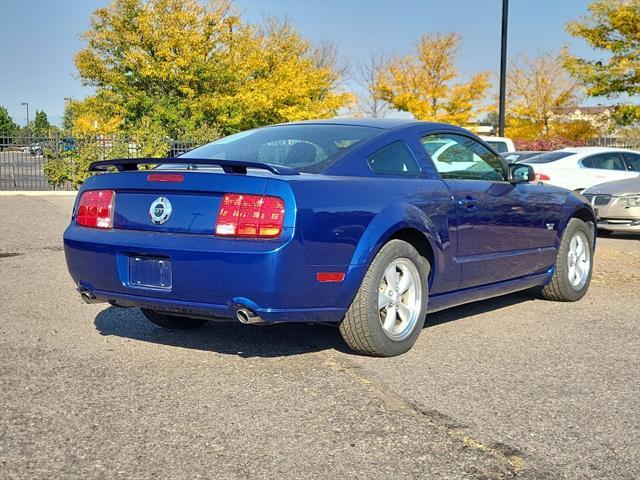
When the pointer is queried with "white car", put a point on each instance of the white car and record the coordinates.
(578, 168)
(500, 144)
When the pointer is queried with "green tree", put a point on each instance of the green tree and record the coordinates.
(7, 127)
(41, 124)
(183, 66)
(612, 27)
(427, 84)
(491, 119)
(68, 117)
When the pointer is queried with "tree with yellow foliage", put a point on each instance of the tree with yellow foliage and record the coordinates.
(184, 67)
(536, 88)
(426, 83)
(612, 27)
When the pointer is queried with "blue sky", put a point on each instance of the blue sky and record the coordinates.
(38, 38)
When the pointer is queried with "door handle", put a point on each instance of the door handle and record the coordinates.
(469, 203)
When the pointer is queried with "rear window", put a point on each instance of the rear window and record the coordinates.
(306, 148)
(498, 146)
(548, 157)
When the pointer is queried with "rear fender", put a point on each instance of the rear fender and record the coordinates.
(392, 219)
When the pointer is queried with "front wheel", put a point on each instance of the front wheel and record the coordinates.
(389, 309)
(172, 322)
(574, 264)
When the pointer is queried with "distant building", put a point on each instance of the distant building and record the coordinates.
(599, 116)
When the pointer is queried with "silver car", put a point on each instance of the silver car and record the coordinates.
(617, 205)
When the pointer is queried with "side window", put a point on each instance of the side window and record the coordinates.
(395, 158)
(605, 161)
(460, 157)
(588, 162)
(633, 161)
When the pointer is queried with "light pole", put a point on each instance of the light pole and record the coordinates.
(26, 104)
(67, 127)
(503, 67)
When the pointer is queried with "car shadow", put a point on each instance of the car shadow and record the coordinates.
(226, 337)
(619, 235)
(479, 307)
(267, 341)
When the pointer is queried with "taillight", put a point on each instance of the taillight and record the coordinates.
(539, 177)
(95, 209)
(258, 216)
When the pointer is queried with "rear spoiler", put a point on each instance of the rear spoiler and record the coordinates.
(229, 166)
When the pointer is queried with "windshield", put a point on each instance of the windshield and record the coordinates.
(310, 148)
(548, 157)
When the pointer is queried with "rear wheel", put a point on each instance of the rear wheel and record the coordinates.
(389, 309)
(574, 264)
(172, 322)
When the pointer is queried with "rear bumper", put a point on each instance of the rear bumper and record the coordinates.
(211, 310)
(212, 277)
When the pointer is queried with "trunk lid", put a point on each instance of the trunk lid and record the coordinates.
(187, 206)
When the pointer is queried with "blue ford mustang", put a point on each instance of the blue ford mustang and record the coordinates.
(365, 223)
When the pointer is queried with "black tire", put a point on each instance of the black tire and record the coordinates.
(361, 327)
(560, 288)
(604, 233)
(172, 322)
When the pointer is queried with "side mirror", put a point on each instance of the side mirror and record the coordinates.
(521, 173)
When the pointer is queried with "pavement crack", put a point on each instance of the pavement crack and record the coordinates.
(10, 254)
(27, 251)
(509, 460)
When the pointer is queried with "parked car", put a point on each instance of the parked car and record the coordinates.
(37, 148)
(577, 168)
(617, 205)
(515, 157)
(343, 221)
(500, 144)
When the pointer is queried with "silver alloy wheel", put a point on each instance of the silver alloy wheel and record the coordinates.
(399, 299)
(578, 261)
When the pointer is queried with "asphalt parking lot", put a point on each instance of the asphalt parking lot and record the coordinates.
(22, 171)
(514, 387)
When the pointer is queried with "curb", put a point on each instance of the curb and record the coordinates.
(33, 193)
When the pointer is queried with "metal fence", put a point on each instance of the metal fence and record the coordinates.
(22, 159)
(615, 142)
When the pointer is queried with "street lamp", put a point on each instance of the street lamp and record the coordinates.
(503, 67)
(67, 121)
(26, 104)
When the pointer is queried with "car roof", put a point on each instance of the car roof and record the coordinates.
(381, 123)
(593, 149)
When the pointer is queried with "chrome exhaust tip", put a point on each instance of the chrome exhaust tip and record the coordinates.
(88, 297)
(247, 317)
